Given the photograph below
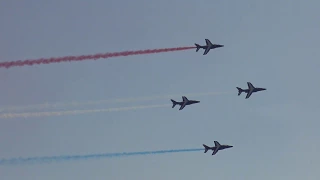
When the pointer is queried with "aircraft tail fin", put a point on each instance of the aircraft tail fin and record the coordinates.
(198, 47)
(206, 148)
(174, 103)
(239, 91)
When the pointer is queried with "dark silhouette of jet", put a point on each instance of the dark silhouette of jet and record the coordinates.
(208, 46)
(249, 91)
(184, 102)
(217, 147)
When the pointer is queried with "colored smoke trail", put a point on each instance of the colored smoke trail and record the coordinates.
(31, 62)
(97, 102)
(49, 159)
(74, 112)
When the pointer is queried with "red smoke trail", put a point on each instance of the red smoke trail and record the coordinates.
(31, 62)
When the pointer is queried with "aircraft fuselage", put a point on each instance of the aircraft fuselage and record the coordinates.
(192, 102)
(221, 147)
(254, 90)
(216, 46)
(259, 89)
(212, 47)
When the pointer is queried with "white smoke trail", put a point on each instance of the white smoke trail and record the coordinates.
(120, 100)
(75, 112)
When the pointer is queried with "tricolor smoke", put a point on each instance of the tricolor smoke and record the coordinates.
(49, 159)
(31, 62)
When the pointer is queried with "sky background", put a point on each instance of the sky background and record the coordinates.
(272, 44)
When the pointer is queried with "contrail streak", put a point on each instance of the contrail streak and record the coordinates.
(119, 100)
(49, 159)
(31, 62)
(75, 112)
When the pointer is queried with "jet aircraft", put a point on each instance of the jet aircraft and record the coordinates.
(184, 102)
(251, 89)
(216, 148)
(208, 46)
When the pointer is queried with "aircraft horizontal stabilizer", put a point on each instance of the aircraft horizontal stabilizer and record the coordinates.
(239, 91)
(198, 47)
(174, 103)
(206, 148)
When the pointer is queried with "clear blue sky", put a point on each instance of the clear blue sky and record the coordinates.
(273, 44)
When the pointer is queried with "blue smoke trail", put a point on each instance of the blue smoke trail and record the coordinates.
(49, 159)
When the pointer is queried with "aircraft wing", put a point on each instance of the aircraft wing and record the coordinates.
(184, 99)
(215, 151)
(208, 42)
(249, 93)
(183, 105)
(184, 102)
(217, 146)
(251, 88)
(209, 45)
(206, 51)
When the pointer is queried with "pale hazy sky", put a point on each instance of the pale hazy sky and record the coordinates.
(273, 44)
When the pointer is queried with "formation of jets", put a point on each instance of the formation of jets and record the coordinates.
(251, 89)
(185, 101)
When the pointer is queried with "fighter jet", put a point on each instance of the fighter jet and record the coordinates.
(217, 147)
(208, 46)
(184, 102)
(249, 91)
